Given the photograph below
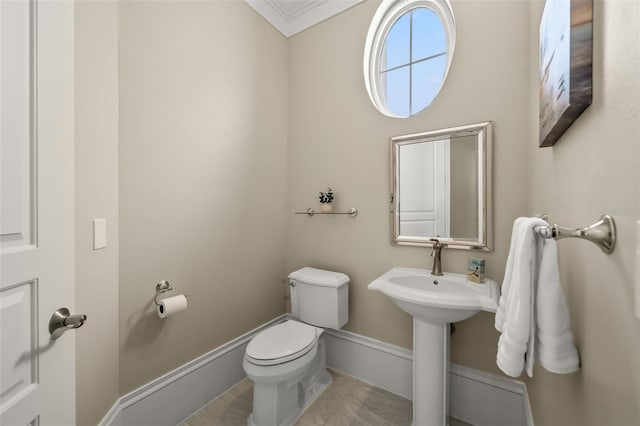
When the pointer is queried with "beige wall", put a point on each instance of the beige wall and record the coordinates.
(591, 170)
(96, 167)
(338, 139)
(203, 114)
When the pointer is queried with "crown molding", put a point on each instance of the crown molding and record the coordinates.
(293, 16)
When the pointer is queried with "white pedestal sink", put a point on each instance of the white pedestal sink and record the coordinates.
(434, 302)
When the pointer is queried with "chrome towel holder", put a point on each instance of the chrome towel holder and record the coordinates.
(602, 233)
(353, 212)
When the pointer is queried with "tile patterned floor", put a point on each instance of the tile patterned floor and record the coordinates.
(347, 401)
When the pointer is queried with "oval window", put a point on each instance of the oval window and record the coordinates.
(407, 54)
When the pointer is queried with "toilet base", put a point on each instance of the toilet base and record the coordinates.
(291, 399)
(311, 394)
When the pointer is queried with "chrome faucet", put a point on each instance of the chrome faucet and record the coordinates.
(437, 257)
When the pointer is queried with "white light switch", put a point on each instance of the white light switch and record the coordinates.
(99, 233)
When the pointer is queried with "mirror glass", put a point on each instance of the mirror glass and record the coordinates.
(441, 188)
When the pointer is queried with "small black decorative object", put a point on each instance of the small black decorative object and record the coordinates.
(326, 197)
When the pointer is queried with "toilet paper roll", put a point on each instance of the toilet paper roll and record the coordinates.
(172, 305)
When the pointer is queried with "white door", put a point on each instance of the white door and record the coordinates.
(424, 189)
(37, 377)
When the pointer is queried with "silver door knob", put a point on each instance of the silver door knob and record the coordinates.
(62, 320)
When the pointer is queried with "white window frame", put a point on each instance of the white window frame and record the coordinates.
(387, 14)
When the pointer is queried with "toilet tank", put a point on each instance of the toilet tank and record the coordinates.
(320, 297)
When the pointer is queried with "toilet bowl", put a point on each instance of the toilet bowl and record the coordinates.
(287, 362)
(287, 366)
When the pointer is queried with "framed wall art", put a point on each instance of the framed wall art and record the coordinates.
(566, 56)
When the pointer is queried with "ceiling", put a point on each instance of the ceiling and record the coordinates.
(292, 16)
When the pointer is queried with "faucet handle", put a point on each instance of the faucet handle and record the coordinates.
(437, 243)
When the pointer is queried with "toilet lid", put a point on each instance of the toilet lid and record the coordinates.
(281, 343)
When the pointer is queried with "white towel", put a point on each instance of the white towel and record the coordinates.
(555, 349)
(532, 314)
(514, 317)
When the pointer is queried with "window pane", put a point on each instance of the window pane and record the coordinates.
(427, 78)
(396, 46)
(407, 54)
(428, 34)
(395, 86)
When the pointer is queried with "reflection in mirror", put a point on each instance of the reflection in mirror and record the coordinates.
(441, 187)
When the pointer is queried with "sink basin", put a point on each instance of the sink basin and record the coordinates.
(434, 302)
(438, 300)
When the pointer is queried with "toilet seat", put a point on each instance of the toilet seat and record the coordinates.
(281, 343)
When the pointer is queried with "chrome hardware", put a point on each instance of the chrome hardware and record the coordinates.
(437, 257)
(62, 320)
(602, 233)
(162, 287)
(353, 212)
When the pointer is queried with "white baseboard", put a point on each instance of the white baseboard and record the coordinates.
(484, 399)
(479, 398)
(381, 364)
(173, 397)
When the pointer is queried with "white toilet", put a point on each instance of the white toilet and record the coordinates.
(287, 362)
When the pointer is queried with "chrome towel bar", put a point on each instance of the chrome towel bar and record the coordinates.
(602, 232)
(353, 212)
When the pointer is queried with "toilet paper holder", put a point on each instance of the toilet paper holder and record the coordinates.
(163, 287)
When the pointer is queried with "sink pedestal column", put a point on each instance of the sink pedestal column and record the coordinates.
(430, 373)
